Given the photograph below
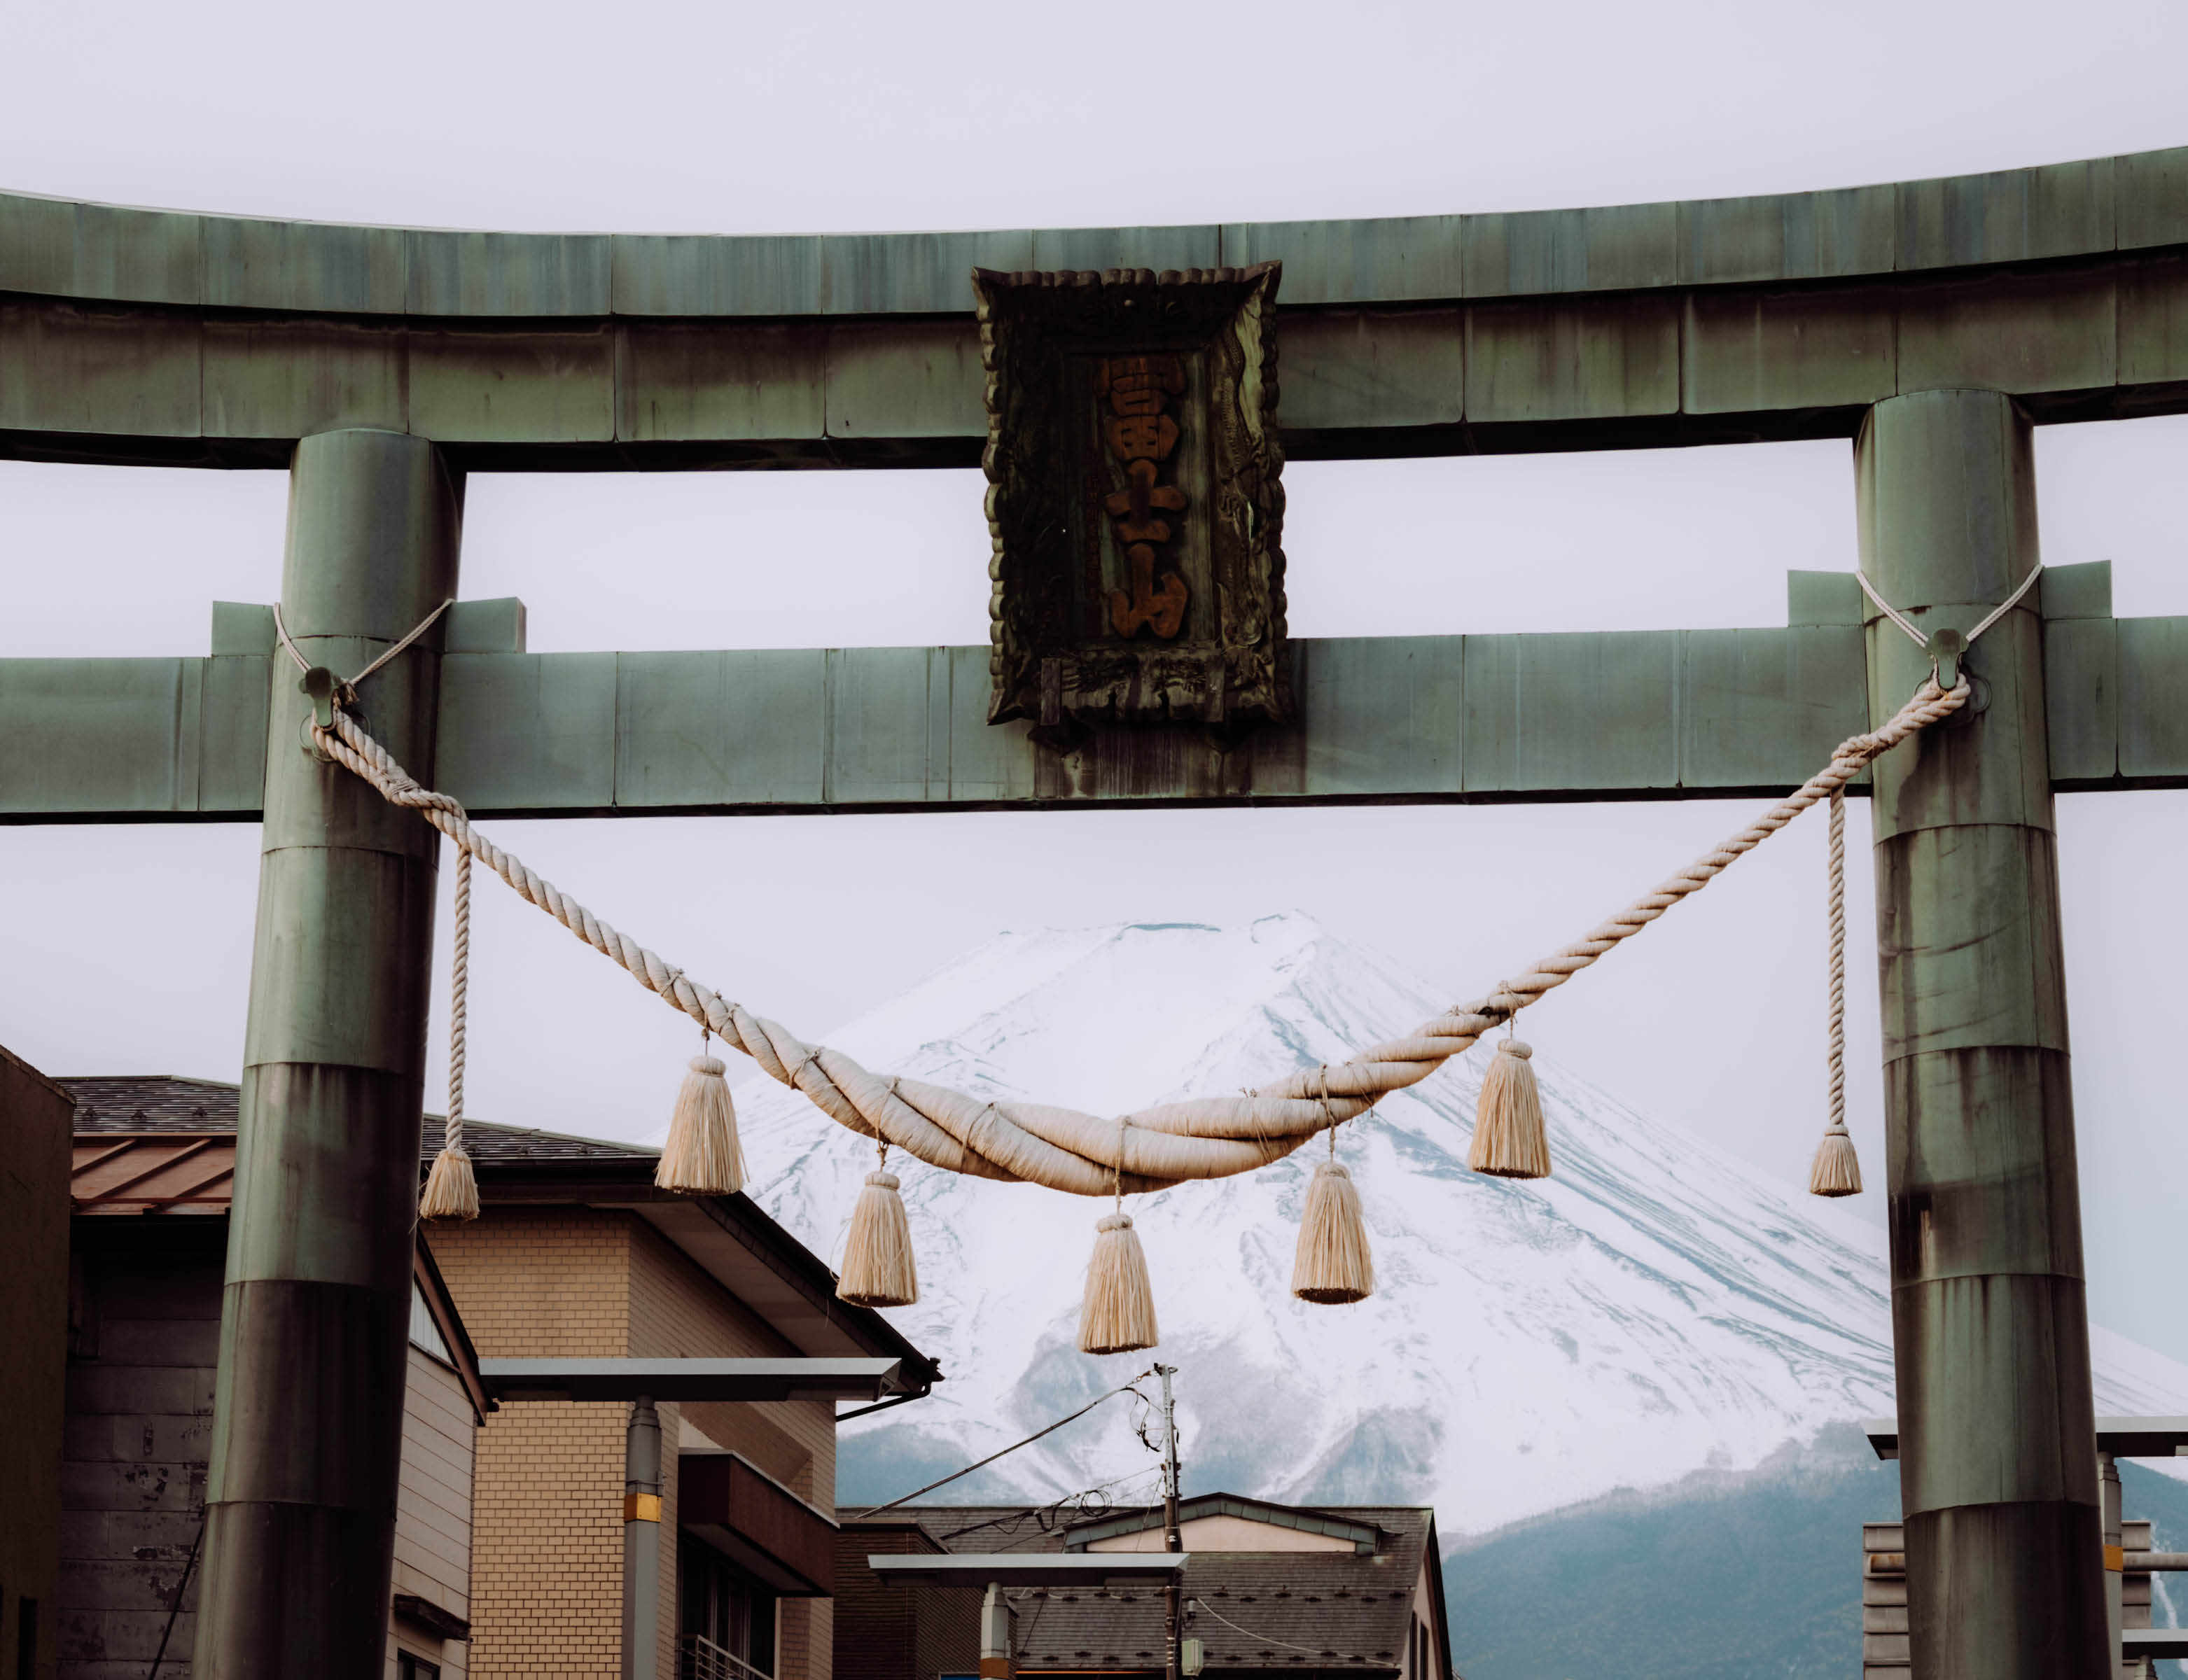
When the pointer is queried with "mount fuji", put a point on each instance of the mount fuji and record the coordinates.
(1652, 1310)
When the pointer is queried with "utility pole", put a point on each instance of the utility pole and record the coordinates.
(1173, 1621)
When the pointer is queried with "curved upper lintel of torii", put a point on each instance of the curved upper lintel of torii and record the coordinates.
(160, 336)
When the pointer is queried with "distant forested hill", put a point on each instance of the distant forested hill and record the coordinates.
(1746, 1576)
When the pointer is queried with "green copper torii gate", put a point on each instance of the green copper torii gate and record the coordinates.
(1931, 321)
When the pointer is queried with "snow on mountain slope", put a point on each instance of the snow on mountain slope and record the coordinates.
(1651, 1309)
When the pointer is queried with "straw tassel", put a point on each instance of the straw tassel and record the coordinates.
(452, 1187)
(1509, 1138)
(879, 1267)
(1334, 1266)
(1837, 1168)
(701, 1156)
(1119, 1313)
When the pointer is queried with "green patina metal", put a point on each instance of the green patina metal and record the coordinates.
(1642, 714)
(1936, 320)
(1998, 1470)
(307, 1419)
(153, 336)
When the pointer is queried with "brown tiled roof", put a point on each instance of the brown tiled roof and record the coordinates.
(167, 1172)
(1300, 1611)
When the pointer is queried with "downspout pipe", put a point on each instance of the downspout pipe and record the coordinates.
(641, 1540)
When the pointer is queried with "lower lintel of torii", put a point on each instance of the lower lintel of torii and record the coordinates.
(1650, 715)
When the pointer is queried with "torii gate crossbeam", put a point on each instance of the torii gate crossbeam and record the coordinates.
(1930, 321)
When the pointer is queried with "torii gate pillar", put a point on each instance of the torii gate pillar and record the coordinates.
(1990, 1327)
(307, 1424)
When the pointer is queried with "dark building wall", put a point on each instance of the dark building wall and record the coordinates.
(34, 1262)
(889, 1632)
(143, 1339)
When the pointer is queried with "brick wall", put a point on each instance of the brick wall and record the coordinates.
(547, 1560)
(547, 1524)
(893, 1632)
(678, 1311)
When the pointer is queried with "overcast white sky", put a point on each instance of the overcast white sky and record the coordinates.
(128, 948)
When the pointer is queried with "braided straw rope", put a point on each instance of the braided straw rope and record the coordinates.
(459, 979)
(1838, 893)
(1085, 1154)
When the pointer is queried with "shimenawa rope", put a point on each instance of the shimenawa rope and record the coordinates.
(1836, 1170)
(1207, 1137)
(1203, 1137)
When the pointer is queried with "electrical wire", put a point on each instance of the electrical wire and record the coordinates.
(955, 1475)
(1040, 1515)
(181, 1586)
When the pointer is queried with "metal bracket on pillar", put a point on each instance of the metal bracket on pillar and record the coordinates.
(320, 684)
(1947, 648)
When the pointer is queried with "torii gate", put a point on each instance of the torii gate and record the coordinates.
(1933, 323)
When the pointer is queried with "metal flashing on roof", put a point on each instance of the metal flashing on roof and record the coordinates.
(431, 1290)
(1027, 1569)
(691, 1379)
(1366, 1537)
(2122, 1437)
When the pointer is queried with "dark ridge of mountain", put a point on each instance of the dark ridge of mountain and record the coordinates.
(1719, 1577)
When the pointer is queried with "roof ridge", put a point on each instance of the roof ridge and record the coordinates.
(145, 1079)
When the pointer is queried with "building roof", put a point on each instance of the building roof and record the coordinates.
(455, 1341)
(1330, 1610)
(167, 1132)
(153, 1103)
(167, 1172)
(1351, 1528)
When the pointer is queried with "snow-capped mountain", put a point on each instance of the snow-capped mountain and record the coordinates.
(1651, 1309)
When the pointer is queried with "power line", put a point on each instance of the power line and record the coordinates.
(955, 1475)
(1040, 1513)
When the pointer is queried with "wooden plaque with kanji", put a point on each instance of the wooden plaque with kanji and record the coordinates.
(1133, 501)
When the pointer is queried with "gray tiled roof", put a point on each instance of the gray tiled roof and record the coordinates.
(169, 1102)
(1300, 1610)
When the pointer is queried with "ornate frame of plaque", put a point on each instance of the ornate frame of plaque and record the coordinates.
(1135, 498)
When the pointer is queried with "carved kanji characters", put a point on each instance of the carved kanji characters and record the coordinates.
(1140, 434)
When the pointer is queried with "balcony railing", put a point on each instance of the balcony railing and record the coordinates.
(699, 1658)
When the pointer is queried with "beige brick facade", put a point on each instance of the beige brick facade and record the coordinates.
(547, 1560)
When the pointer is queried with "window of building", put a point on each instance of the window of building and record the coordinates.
(720, 1610)
(423, 1332)
(408, 1667)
